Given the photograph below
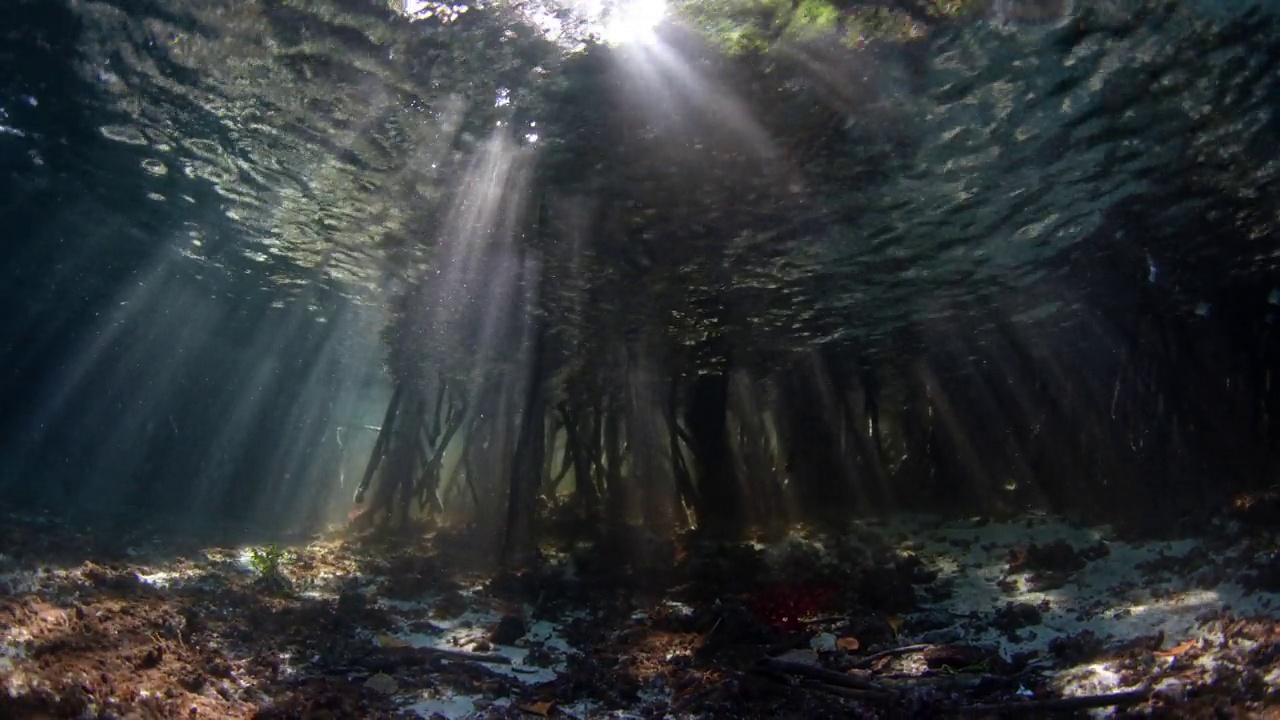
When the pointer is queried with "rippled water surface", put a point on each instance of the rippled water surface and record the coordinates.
(319, 142)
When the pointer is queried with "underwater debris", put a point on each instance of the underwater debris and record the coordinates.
(210, 636)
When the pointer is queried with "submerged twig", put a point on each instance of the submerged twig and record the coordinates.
(851, 693)
(823, 619)
(872, 659)
(468, 656)
(412, 656)
(1081, 702)
(830, 677)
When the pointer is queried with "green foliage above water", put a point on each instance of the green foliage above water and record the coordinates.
(746, 26)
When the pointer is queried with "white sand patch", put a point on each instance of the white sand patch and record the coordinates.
(473, 627)
(1111, 596)
(460, 632)
(1088, 679)
(454, 706)
(1125, 591)
(158, 578)
(1135, 590)
(679, 609)
(167, 578)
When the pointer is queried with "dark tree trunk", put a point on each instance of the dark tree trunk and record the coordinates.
(405, 461)
(584, 486)
(720, 508)
(871, 408)
(380, 445)
(680, 469)
(756, 462)
(529, 455)
(527, 460)
(615, 493)
(446, 418)
(914, 474)
(819, 479)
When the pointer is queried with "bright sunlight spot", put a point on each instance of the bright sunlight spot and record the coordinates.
(633, 20)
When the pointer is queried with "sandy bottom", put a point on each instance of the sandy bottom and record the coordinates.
(912, 615)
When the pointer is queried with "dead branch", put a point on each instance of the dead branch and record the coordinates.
(830, 677)
(389, 660)
(851, 693)
(467, 656)
(872, 659)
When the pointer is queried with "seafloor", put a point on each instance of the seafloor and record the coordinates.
(908, 617)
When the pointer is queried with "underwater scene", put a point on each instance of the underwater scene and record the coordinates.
(648, 359)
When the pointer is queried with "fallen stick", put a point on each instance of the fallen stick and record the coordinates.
(1081, 702)
(395, 657)
(467, 656)
(870, 660)
(830, 677)
(899, 681)
(851, 693)
(823, 619)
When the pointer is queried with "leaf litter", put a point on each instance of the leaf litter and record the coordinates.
(1030, 615)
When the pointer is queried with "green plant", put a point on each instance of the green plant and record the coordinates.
(267, 561)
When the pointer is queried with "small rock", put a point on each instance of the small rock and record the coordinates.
(1046, 581)
(540, 657)
(1097, 551)
(382, 683)
(823, 642)
(1055, 557)
(1014, 616)
(510, 629)
(1078, 648)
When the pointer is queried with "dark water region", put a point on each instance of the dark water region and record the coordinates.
(1031, 250)
(911, 296)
